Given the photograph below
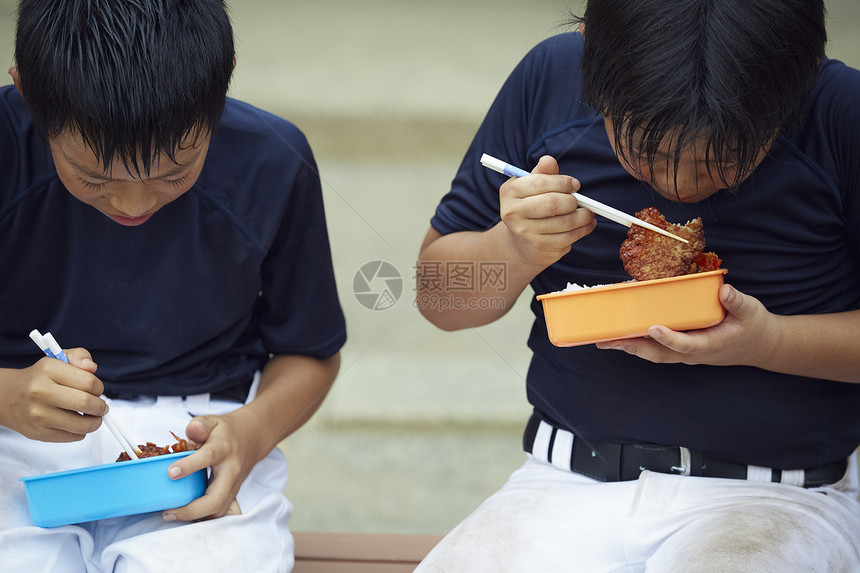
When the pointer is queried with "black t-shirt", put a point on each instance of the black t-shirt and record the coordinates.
(790, 237)
(195, 299)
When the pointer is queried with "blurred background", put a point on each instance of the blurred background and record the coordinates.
(421, 425)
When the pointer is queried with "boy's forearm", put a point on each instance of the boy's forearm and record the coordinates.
(292, 388)
(819, 346)
(479, 301)
(6, 404)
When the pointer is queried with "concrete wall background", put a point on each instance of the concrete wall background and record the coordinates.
(421, 425)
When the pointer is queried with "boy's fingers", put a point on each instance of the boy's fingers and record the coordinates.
(199, 428)
(546, 165)
(72, 376)
(79, 425)
(547, 180)
(73, 389)
(81, 401)
(208, 506)
(81, 358)
(538, 184)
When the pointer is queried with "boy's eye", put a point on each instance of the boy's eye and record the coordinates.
(93, 186)
(90, 184)
(177, 182)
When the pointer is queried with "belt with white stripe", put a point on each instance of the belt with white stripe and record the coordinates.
(622, 462)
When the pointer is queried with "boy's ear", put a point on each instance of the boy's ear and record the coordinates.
(13, 71)
(582, 28)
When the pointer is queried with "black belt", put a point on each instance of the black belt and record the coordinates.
(623, 462)
(237, 393)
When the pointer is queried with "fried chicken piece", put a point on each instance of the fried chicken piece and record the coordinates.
(149, 449)
(649, 255)
(706, 262)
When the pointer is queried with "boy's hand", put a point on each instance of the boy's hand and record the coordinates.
(542, 215)
(228, 448)
(749, 335)
(52, 401)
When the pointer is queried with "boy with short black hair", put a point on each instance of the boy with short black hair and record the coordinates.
(177, 238)
(653, 458)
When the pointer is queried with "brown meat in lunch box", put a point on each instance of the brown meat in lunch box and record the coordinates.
(648, 255)
(149, 449)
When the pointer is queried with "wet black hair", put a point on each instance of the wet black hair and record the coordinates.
(727, 73)
(132, 78)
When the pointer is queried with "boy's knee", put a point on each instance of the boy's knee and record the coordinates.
(762, 540)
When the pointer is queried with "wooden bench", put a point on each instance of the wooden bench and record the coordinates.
(318, 552)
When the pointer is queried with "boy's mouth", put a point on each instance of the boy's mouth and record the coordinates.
(130, 221)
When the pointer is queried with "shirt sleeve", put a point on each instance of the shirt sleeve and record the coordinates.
(527, 103)
(300, 312)
(10, 156)
(843, 118)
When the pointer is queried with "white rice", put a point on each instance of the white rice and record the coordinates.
(574, 286)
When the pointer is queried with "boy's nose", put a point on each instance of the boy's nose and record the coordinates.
(133, 202)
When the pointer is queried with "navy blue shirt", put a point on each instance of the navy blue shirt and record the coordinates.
(790, 237)
(195, 299)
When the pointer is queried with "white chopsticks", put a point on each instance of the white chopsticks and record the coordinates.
(121, 436)
(53, 350)
(595, 207)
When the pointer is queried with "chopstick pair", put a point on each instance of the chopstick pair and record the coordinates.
(595, 207)
(53, 350)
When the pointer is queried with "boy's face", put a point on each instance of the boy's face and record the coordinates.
(692, 181)
(126, 198)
